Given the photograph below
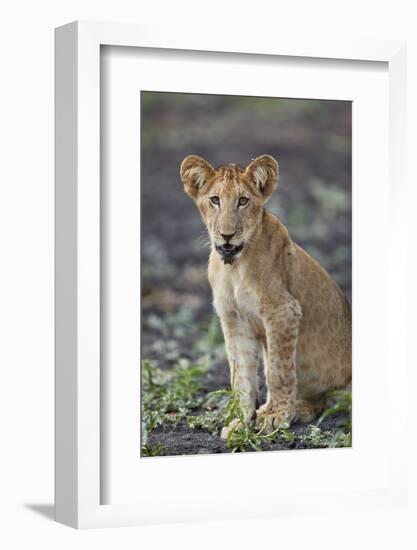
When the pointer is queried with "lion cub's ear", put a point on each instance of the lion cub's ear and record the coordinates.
(195, 172)
(264, 173)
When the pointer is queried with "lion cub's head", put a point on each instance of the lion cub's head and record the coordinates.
(230, 199)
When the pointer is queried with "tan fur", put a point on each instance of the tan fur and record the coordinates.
(273, 299)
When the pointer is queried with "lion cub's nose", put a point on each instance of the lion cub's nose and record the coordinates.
(228, 237)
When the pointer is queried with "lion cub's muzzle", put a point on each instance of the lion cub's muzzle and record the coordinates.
(228, 251)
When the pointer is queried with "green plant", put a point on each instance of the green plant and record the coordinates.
(341, 404)
(316, 437)
(286, 435)
(210, 421)
(173, 390)
(168, 396)
(174, 395)
(241, 436)
(152, 450)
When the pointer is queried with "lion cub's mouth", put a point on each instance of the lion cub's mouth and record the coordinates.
(228, 251)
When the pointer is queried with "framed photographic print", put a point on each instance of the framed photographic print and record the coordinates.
(191, 403)
(224, 334)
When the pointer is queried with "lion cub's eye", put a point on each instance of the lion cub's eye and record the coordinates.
(243, 201)
(215, 201)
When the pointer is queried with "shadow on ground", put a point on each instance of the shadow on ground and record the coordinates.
(45, 510)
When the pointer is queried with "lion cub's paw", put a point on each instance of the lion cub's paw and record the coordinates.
(269, 419)
(234, 424)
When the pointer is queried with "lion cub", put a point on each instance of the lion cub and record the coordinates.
(270, 295)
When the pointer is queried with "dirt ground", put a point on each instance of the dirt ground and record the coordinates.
(180, 439)
(311, 139)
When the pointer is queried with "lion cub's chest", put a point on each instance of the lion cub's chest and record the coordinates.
(233, 293)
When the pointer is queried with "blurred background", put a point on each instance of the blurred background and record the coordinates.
(311, 139)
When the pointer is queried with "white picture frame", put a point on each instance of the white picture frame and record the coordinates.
(78, 427)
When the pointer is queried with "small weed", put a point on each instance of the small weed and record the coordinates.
(153, 450)
(286, 435)
(211, 421)
(341, 439)
(173, 390)
(316, 437)
(169, 396)
(241, 435)
(244, 437)
(342, 405)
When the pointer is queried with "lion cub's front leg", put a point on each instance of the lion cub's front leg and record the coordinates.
(281, 327)
(242, 350)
